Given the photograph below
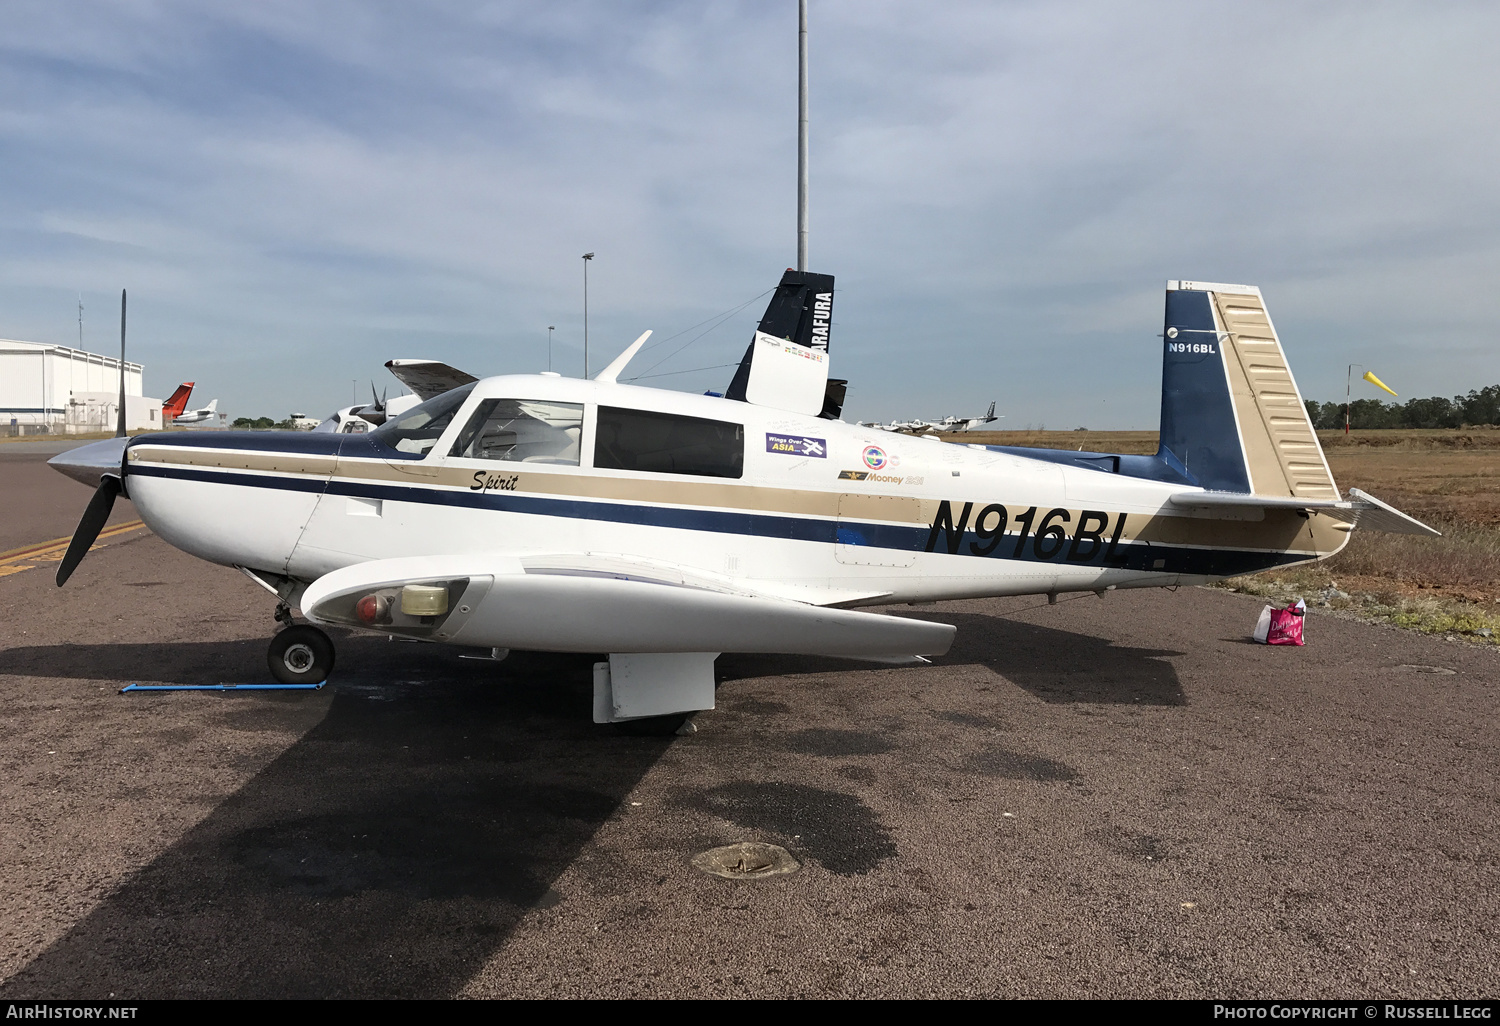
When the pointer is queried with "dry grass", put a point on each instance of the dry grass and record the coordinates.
(1143, 442)
(1370, 598)
(1465, 561)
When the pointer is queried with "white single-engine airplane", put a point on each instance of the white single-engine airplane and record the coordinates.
(208, 413)
(547, 513)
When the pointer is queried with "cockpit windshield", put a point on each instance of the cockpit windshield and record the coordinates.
(418, 429)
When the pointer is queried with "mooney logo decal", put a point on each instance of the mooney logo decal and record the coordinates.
(875, 457)
(865, 475)
(1055, 533)
(797, 445)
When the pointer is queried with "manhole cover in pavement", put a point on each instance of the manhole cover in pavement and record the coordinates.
(747, 860)
(1422, 668)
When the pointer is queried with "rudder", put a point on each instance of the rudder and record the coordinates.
(1231, 415)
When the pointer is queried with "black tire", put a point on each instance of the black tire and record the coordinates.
(300, 655)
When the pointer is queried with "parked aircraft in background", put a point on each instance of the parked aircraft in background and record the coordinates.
(203, 416)
(176, 403)
(425, 378)
(662, 528)
(932, 427)
(969, 423)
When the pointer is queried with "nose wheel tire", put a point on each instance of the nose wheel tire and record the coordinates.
(300, 655)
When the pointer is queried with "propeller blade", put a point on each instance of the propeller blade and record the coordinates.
(89, 527)
(375, 412)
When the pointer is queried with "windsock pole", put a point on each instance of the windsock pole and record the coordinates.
(1348, 392)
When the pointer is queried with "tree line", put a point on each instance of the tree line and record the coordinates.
(267, 424)
(1481, 407)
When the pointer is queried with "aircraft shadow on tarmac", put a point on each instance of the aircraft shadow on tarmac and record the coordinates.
(1054, 665)
(392, 849)
(387, 852)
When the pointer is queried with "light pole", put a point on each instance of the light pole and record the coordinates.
(802, 135)
(550, 329)
(586, 258)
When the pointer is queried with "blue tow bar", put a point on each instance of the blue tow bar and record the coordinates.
(222, 687)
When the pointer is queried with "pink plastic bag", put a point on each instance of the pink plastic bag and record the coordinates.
(1286, 625)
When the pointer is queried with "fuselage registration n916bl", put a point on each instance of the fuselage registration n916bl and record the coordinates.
(662, 528)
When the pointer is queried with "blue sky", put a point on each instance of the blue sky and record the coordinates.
(296, 192)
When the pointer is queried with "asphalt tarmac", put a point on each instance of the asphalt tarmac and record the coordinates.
(1103, 798)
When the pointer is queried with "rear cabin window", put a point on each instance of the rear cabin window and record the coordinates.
(665, 443)
(522, 431)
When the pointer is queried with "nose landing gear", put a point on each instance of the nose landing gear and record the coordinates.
(300, 655)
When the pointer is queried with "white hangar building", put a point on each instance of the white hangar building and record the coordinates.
(54, 389)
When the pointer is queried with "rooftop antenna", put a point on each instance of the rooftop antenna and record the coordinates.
(802, 135)
(120, 425)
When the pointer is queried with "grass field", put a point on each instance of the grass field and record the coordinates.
(1449, 479)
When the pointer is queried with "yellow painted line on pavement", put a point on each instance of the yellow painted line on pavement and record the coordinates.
(52, 551)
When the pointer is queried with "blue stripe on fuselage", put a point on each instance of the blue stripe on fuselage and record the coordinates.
(1137, 556)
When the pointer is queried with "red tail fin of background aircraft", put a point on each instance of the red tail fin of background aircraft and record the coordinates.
(177, 402)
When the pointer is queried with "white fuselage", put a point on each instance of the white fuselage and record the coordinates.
(823, 511)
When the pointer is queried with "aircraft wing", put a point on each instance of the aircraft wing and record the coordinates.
(428, 378)
(589, 603)
(1361, 509)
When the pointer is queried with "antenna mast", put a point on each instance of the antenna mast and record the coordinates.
(802, 135)
(120, 425)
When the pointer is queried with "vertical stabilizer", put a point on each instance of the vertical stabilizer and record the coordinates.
(176, 404)
(800, 312)
(1231, 415)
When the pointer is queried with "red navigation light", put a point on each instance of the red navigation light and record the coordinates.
(368, 608)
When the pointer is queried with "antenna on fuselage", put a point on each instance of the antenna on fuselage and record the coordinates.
(610, 373)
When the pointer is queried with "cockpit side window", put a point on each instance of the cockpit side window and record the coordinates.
(418, 429)
(522, 431)
(666, 443)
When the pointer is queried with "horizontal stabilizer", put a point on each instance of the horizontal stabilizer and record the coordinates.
(428, 378)
(1362, 509)
(1378, 516)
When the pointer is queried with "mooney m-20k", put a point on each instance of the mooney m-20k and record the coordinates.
(662, 528)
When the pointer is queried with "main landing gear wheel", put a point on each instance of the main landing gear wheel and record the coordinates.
(300, 655)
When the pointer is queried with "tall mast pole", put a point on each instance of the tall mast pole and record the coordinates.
(802, 135)
(586, 258)
(120, 424)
